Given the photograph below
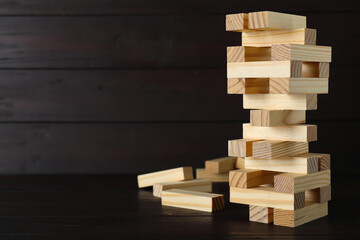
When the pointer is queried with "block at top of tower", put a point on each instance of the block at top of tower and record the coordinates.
(268, 20)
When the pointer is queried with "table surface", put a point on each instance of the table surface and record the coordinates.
(112, 207)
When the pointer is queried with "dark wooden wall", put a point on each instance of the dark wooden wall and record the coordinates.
(129, 86)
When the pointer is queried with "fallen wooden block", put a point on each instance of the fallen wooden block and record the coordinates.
(220, 165)
(299, 85)
(248, 178)
(247, 85)
(201, 173)
(274, 149)
(296, 52)
(318, 195)
(175, 174)
(280, 101)
(240, 147)
(302, 36)
(295, 183)
(248, 54)
(296, 133)
(291, 218)
(271, 118)
(267, 197)
(261, 214)
(208, 202)
(199, 185)
(268, 20)
(240, 163)
(237, 22)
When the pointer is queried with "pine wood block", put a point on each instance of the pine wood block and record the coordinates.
(280, 101)
(296, 133)
(237, 22)
(240, 147)
(318, 195)
(248, 178)
(270, 118)
(198, 185)
(267, 197)
(310, 212)
(295, 52)
(240, 163)
(304, 164)
(268, 20)
(207, 202)
(261, 214)
(275, 149)
(299, 85)
(247, 85)
(248, 54)
(220, 165)
(302, 36)
(201, 173)
(175, 174)
(295, 183)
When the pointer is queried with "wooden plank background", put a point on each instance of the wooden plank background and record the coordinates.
(108, 86)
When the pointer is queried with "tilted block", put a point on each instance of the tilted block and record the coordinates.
(299, 85)
(275, 149)
(220, 165)
(296, 52)
(199, 185)
(280, 101)
(247, 85)
(240, 147)
(261, 214)
(176, 174)
(319, 195)
(207, 202)
(248, 178)
(267, 20)
(270, 118)
(201, 173)
(237, 22)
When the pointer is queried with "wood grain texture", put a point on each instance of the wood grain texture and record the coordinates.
(267, 197)
(248, 178)
(310, 212)
(198, 185)
(248, 54)
(207, 202)
(247, 85)
(296, 133)
(237, 22)
(299, 85)
(268, 20)
(271, 118)
(275, 149)
(235, 54)
(319, 195)
(201, 173)
(240, 147)
(296, 52)
(220, 165)
(261, 214)
(280, 101)
(175, 174)
(323, 160)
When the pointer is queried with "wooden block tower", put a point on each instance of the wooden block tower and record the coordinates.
(279, 69)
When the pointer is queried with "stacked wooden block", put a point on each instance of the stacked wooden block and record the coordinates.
(279, 69)
(217, 170)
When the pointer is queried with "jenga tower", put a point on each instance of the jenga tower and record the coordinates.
(279, 69)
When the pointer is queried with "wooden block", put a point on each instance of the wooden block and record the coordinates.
(280, 101)
(220, 165)
(207, 202)
(302, 36)
(261, 214)
(324, 70)
(248, 54)
(299, 85)
(318, 195)
(248, 85)
(237, 22)
(323, 160)
(270, 118)
(240, 163)
(248, 178)
(295, 183)
(199, 185)
(201, 173)
(274, 149)
(310, 212)
(267, 197)
(303, 163)
(240, 147)
(295, 52)
(268, 20)
(296, 133)
(175, 174)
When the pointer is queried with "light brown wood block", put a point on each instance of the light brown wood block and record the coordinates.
(248, 54)
(302, 36)
(201, 173)
(274, 149)
(310, 212)
(295, 183)
(220, 165)
(248, 85)
(237, 22)
(304, 164)
(280, 101)
(296, 52)
(299, 85)
(270, 118)
(267, 197)
(261, 214)
(240, 147)
(198, 185)
(268, 20)
(207, 202)
(296, 133)
(175, 174)
(248, 178)
(318, 195)
(240, 163)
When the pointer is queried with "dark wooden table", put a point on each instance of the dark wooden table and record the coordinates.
(111, 207)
